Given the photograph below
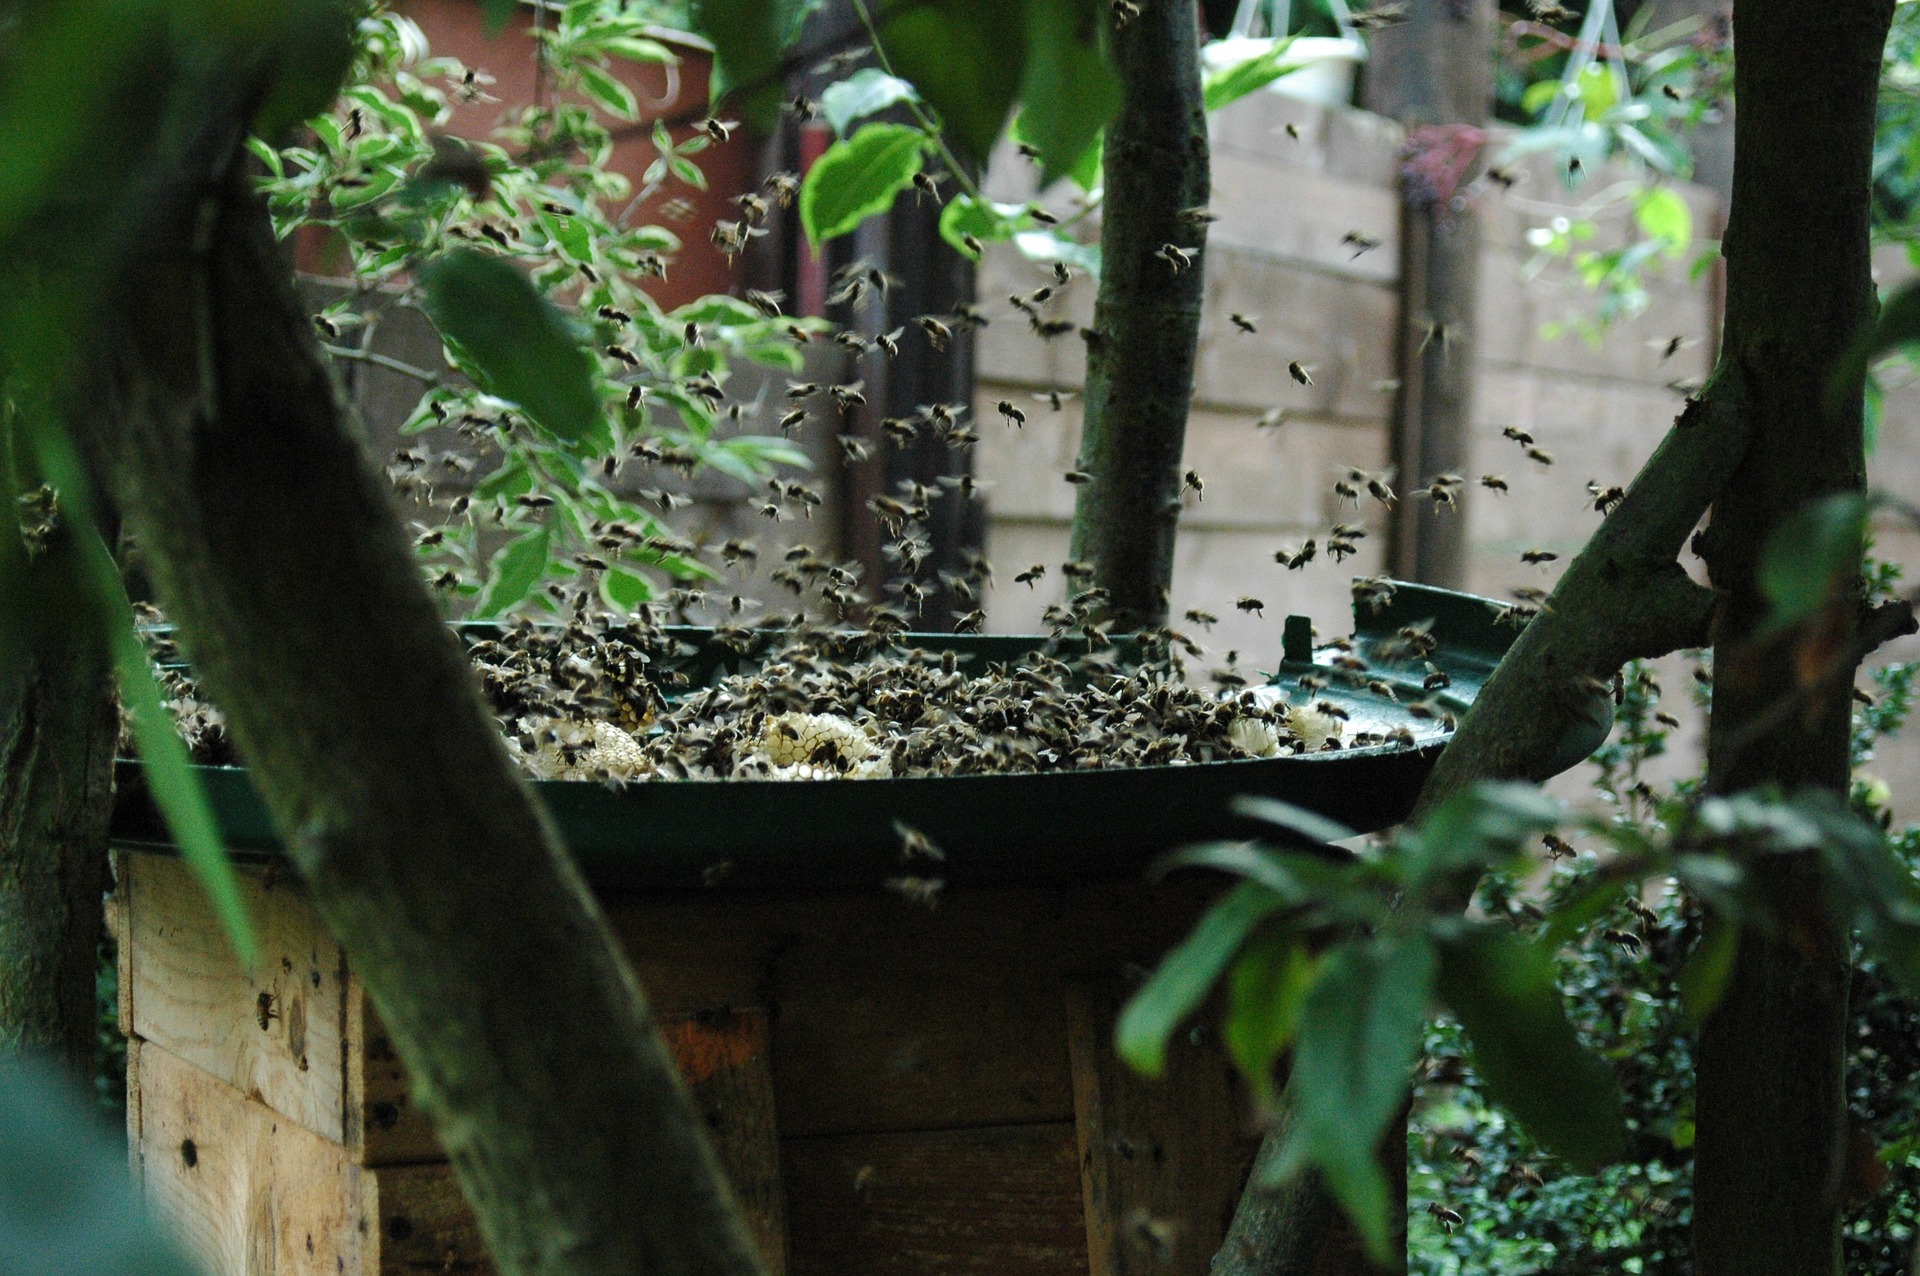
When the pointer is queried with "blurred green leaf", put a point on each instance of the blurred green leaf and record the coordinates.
(1897, 325)
(1704, 978)
(749, 39)
(1358, 1035)
(1664, 215)
(495, 13)
(866, 92)
(987, 222)
(514, 570)
(1069, 90)
(858, 177)
(1185, 976)
(1311, 825)
(1813, 557)
(67, 1203)
(1266, 989)
(1478, 828)
(1231, 83)
(1504, 993)
(525, 349)
(614, 97)
(967, 58)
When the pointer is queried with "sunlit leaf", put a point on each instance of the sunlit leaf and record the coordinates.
(524, 348)
(1231, 83)
(1663, 215)
(857, 177)
(514, 570)
(866, 92)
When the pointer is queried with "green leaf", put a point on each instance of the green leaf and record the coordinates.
(616, 98)
(1898, 324)
(1231, 83)
(857, 177)
(1358, 1035)
(1703, 980)
(1047, 246)
(1070, 90)
(1310, 825)
(1477, 829)
(749, 39)
(1813, 557)
(1266, 989)
(514, 570)
(1181, 984)
(67, 1203)
(987, 222)
(1505, 995)
(1539, 95)
(960, 56)
(861, 94)
(1663, 215)
(524, 348)
(624, 590)
(494, 15)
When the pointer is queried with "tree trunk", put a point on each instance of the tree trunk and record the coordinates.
(1146, 316)
(1771, 1097)
(58, 728)
(275, 545)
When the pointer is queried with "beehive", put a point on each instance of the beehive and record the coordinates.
(893, 1089)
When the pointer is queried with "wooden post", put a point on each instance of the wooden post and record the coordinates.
(1434, 74)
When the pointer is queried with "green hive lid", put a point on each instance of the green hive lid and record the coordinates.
(995, 829)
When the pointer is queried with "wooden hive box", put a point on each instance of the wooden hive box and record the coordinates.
(893, 1090)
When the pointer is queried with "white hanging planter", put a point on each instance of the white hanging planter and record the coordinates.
(1328, 63)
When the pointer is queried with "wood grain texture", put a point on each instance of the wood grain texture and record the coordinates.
(276, 1033)
(248, 1192)
(1003, 1201)
(1161, 1161)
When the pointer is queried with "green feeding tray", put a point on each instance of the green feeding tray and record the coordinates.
(1047, 827)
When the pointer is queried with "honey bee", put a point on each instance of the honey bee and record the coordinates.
(1360, 243)
(1518, 435)
(1077, 477)
(1178, 259)
(924, 891)
(1300, 373)
(938, 334)
(1540, 454)
(1244, 323)
(1031, 575)
(1557, 847)
(927, 184)
(1535, 557)
(1494, 482)
(1447, 1218)
(1248, 603)
(1014, 416)
(916, 845)
(1192, 480)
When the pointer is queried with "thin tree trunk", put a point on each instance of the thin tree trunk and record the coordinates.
(58, 728)
(276, 547)
(1434, 74)
(1146, 317)
(1771, 1068)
